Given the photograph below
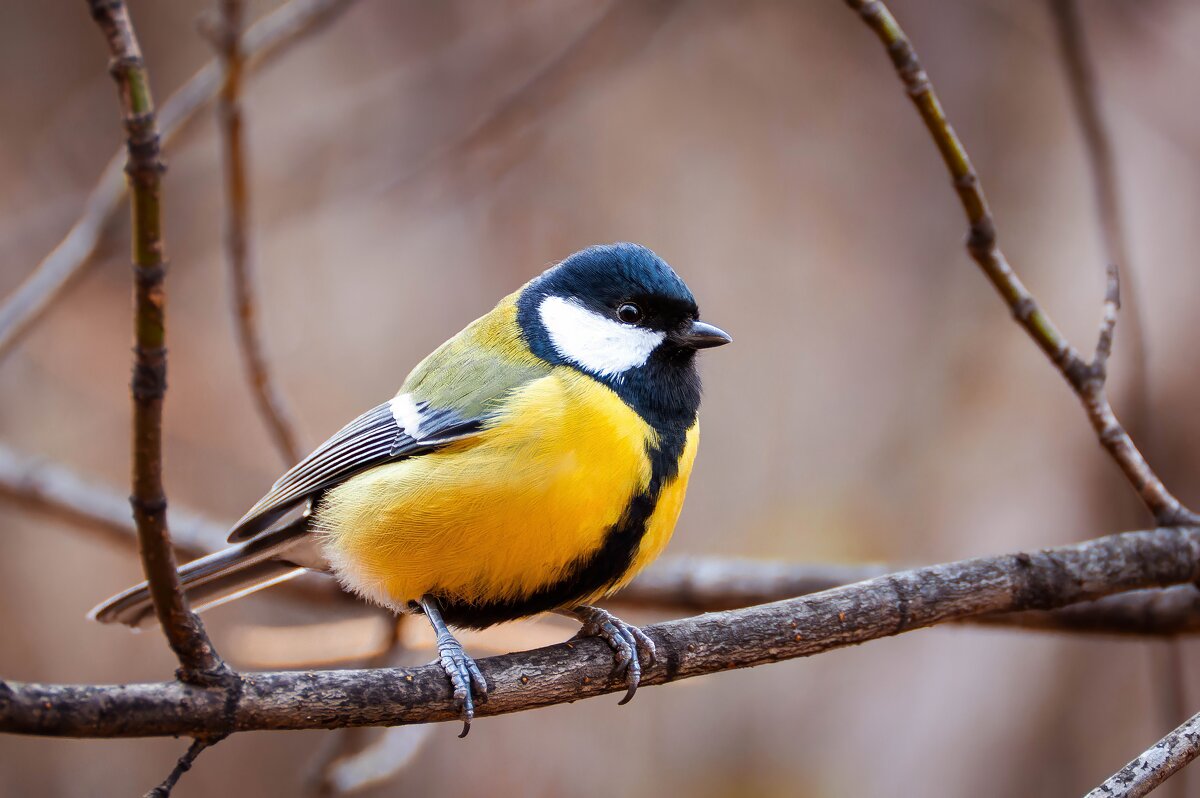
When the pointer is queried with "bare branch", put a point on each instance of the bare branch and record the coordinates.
(182, 766)
(226, 35)
(710, 584)
(61, 493)
(1167, 612)
(1168, 756)
(578, 669)
(267, 39)
(1081, 81)
(185, 633)
(1083, 377)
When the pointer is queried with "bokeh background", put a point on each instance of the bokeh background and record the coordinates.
(416, 161)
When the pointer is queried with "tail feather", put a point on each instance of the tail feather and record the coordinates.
(229, 574)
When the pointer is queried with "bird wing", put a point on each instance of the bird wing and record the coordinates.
(376, 437)
(450, 396)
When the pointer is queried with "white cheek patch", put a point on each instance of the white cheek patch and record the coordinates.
(407, 415)
(603, 346)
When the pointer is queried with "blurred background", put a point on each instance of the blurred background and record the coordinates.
(416, 161)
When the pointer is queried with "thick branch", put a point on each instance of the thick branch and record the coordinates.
(264, 41)
(1168, 756)
(183, 629)
(1086, 379)
(800, 627)
(226, 35)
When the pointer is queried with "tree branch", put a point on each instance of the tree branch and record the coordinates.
(1168, 756)
(799, 627)
(59, 492)
(1081, 81)
(263, 42)
(1086, 379)
(185, 633)
(184, 764)
(226, 36)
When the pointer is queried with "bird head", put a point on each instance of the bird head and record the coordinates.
(612, 310)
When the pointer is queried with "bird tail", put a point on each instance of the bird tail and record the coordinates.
(268, 559)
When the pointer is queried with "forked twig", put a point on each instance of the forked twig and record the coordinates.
(1087, 379)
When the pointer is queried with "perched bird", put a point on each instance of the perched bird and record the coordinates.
(535, 462)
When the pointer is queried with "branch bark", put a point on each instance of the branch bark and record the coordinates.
(263, 42)
(1087, 379)
(1168, 756)
(578, 669)
(198, 659)
(226, 36)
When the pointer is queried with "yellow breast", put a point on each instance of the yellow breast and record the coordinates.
(507, 512)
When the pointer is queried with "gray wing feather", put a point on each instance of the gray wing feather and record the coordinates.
(370, 440)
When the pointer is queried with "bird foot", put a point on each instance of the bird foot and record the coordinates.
(629, 644)
(464, 676)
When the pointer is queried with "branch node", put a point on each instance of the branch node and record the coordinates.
(149, 382)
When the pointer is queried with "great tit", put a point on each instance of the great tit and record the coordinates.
(535, 462)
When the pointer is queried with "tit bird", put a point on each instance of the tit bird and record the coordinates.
(535, 462)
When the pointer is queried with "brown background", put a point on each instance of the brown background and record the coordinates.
(878, 403)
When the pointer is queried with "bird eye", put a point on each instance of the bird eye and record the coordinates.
(629, 313)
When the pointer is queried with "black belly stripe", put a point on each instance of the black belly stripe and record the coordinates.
(587, 575)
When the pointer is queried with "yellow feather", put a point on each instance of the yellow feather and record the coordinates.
(499, 515)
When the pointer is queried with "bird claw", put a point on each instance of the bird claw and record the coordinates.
(629, 644)
(465, 678)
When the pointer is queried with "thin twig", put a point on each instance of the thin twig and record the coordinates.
(198, 659)
(578, 669)
(186, 760)
(225, 33)
(1084, 89)
(1086, 379)
(1168, 756)
(263, 42)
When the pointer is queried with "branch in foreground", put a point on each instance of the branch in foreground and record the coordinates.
(678, 584)
(264, 41)
(1168, 756)
(1086, 379)
(185, 633)
(226, 35)
(800, 627)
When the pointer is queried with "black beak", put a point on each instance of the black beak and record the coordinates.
(705, 336)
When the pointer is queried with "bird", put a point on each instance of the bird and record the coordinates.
(535, 462)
